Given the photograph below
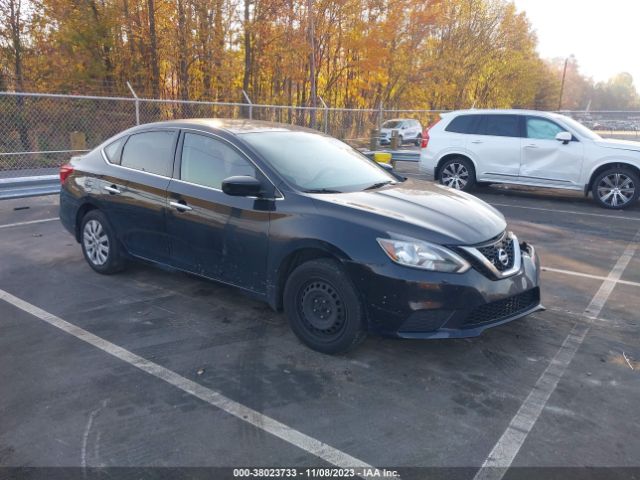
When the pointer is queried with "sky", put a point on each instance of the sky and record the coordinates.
(604, 36)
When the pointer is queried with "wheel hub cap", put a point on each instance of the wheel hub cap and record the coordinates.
(96, 242)
(455, 175)
(616, 189)
(322, 308)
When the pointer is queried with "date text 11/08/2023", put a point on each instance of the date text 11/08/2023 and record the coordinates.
(369, 472)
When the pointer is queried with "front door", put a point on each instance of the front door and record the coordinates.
(211, 233)
(545, 159)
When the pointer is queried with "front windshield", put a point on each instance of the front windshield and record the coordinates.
(314, 162)
(580, 129)
(391, 124)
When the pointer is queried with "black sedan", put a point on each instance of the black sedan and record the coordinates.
(304, 222)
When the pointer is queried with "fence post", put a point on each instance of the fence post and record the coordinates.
(246, 97)
(380, 116)
(133, 92)
(326, 114)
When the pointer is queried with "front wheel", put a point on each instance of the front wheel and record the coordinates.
(323, 307)
(458, 173)
(616, 188)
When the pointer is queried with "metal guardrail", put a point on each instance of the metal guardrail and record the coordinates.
(22, 187)
(397, 155)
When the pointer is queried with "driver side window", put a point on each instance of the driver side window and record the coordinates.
(207, 161)
(542, 129)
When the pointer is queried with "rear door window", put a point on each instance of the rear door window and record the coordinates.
(150, 152)
(208, 161)
(500, 125)
(113, 150)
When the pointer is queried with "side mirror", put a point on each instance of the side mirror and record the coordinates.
(241, 186)
(564, 137)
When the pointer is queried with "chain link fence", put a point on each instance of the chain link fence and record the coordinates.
(39, 132)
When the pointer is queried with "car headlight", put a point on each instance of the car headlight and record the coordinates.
(420, 254)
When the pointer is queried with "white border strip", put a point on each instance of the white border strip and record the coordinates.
(246, 414)
(588, 275)
(507, 447)
(572, 212)
(31, 222)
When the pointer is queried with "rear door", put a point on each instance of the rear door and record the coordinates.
(214, 234)
(546, 159)
(138, 198)
(496, 146)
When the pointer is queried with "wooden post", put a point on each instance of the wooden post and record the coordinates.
(373, 140)
(78, 141)
(395, 140)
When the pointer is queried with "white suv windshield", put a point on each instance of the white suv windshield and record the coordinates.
(580, 129)
(392, 124)
(314, 162)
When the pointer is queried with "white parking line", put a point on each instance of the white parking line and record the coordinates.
(246, 414)
(508, 445)
(588, 275)
(632, 219)
(31, 222)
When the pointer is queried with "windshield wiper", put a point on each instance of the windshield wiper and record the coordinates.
(322, 190)
(379, 184)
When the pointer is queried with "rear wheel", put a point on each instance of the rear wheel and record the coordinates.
(323, 307)
(616, 188)
(457, 173)
(418, 141)
(100, 247)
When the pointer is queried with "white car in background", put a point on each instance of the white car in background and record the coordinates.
(409, 130)
(539, 149)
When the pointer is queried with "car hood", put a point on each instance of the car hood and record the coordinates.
(619, 144)
(456, 218)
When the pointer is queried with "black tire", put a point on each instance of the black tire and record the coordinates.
(318, 288)
(95, 227)
(624, 191)
(458, 173)
(418, 141)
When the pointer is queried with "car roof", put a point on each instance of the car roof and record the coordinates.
(233, 126)
(513, 111)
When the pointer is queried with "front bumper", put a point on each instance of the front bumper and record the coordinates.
(411, 303)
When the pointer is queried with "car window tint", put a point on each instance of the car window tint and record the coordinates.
(462, 124)
(112, 151)
(499, 125)
(150, 152)
(207, 161)
(542, 129)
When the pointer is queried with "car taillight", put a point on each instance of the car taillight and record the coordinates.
(425, 135)
(65, 171)
(425, 139)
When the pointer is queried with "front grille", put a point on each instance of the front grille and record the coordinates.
(501, 309)
(493, 253)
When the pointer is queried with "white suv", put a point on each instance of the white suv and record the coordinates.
(408, 130)
(534, 148)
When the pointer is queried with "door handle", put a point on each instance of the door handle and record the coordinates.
(531, 146)
(476, 141)
(181, 207)
(113, 190)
